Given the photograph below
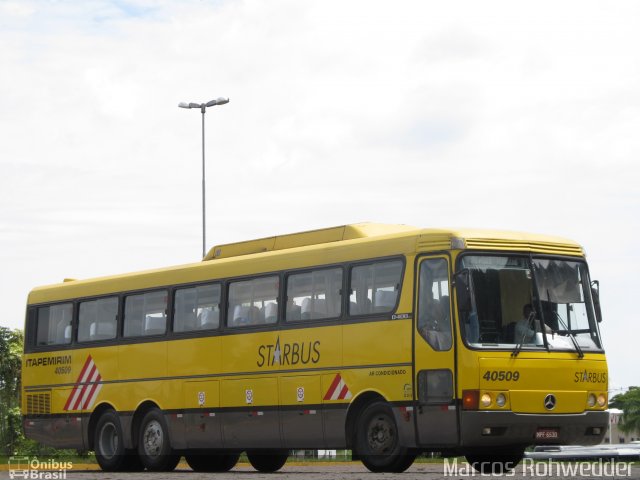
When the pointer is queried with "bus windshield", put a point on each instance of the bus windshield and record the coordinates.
(526, 303)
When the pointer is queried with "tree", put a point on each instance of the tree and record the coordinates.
(11, 344)
(629, 403)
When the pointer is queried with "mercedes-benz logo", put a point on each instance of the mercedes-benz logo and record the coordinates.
(550, 402)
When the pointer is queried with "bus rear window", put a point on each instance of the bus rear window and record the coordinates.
(54, 325)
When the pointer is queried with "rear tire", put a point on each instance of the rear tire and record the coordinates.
(377, 440)
(212, 461)
(267, 461)
(154, 446)
(108, 442)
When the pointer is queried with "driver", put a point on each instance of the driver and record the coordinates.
(526, 327)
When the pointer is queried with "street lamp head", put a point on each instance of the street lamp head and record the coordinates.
(210, 103)
(189, 105)
(217, 101)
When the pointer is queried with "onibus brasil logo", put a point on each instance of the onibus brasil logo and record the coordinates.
(33, 468)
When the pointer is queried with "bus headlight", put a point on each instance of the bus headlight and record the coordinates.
(591, 400)
(501, 400)
(485, 400)
(602, 400)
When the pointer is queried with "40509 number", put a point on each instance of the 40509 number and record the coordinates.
(501, 376)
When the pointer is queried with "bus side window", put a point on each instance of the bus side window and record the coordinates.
(253, 302)
(145, 314)
(375, 287)
(54, 324)
(97, 319)
(197, 308)
(314, 295)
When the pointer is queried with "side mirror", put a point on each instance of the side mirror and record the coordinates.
(595, 294)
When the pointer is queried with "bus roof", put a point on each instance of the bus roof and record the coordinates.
(303, 249)
(468, 238)
(305, 239)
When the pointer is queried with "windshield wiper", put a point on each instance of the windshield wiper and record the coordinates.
(571, 335)
(516, 350)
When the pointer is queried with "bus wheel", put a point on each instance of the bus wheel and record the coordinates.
(109, 446)
(497, 463)
(212, 461)
(267, 461)
(377, 442)
(154, 447)
(108, 442)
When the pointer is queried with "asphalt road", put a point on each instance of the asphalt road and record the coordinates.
(355, 471)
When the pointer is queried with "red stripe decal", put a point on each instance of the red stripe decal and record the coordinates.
(92, 392)
(343, 392)
(73, 391)
(86, 365)
(333, 387)
(85, 387)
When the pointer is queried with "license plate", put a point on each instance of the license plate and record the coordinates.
(547, 434)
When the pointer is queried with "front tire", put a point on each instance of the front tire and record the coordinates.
(377, 441)
(267, 461)
(211, 461)
(154, 446)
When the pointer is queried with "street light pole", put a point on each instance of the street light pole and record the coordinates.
(203, 109)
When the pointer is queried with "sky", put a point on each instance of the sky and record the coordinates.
(494, 114)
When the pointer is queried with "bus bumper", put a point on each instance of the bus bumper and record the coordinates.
(59, 431)
(491, 428)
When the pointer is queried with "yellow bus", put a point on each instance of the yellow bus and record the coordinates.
(388, 340)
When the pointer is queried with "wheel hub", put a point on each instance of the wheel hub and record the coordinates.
(153, 438)
(381, 435)
(108, 440)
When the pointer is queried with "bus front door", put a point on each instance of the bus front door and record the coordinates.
(435, 411)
